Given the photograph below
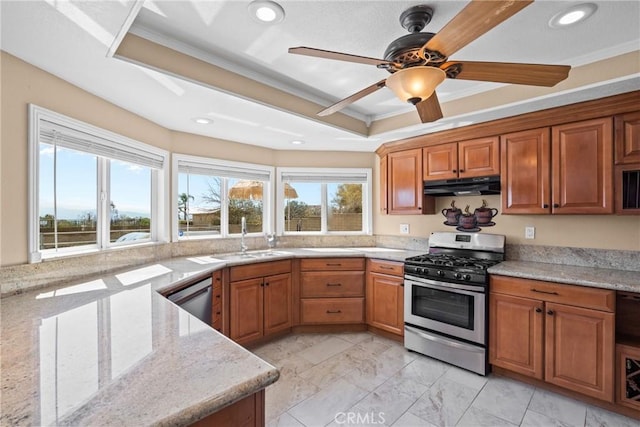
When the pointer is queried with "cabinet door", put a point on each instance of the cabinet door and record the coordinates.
(580, 346)
(277, 303)
(405, 182)
(516, 334)
(582, 168)
(246, 308)
(479, 157)
(385, 303)
(384, 191)
(627, 138)
(525, 172)
(440, 161)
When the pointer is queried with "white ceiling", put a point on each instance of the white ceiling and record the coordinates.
(76, 40)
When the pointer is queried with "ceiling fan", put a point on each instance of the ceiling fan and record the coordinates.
(419, 62)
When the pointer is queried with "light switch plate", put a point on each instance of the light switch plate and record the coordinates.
(404, 228)
(529, 232)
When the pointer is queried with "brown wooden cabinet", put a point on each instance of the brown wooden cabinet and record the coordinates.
(466, 159)
(216, 312)
(628, 374)
(404, 184)
(627, 159)
(260, 300)
(385, 295)
(570, 174)
(331, 291)
(384, 192)
(247, 412)
(560, 333)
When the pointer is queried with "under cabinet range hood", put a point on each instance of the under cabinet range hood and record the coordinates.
(463, 186)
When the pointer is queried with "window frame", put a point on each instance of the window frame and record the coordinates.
(159, 185)
(212, 163)
(325, 174)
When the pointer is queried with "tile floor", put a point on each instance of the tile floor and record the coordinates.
(352, 379)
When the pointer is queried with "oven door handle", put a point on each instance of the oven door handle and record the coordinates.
(427, 283)
(448, 343)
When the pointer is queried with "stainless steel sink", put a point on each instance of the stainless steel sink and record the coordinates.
(252, 255)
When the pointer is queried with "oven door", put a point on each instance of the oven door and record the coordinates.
(448, 308)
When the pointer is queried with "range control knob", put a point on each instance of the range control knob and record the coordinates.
(457, 276)
(467, 277)
(440, 273)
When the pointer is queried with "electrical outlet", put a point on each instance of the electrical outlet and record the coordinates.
(529, 232)
(404, 228)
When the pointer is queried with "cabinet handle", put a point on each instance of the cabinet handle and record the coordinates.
(334, 264)
(546, 206)
(334, 284)
(544, 292)
(334, 311)
(384, 267)
(555, 205)
(461, 170)
(538, 310)
(454, 171)
(217, 312)
(550, 312)
(266, 284)
(217, 296)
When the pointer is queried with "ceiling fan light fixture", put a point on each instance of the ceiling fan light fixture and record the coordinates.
(266, 11)
(415, 84)
(572, 15)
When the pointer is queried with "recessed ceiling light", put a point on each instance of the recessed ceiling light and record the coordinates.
(203, 121)
(266, 11)
(572, 15)
(297, 142)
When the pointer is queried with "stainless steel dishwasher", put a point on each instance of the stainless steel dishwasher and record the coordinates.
(196, 299)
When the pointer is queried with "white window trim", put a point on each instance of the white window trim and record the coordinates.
(160, 181)
(267, 200)
(367, 200)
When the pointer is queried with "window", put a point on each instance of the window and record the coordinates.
(323, 201)
(213, 195)
(90, 189)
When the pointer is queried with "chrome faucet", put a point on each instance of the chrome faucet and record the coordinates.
(243, 232)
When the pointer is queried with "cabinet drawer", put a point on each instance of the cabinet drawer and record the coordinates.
(578, 296)
(262, 269)
(332, 264)
(332, 284)
(332, 310)
(386, 267)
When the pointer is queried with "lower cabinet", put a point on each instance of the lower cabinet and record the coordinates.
(248, 412)
(385, 295)
(628, 366)
(260, 305)
(561, 334)
(331, 291)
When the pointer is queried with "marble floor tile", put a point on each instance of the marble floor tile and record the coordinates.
(424, 370)
(384, 406)
(329, 370)
(285, 420)
(468, 378)
(475, 417)
(536, 419)
(598, 417)
(323, 350)
(504, 398)
(293, 365)
(569, 411)
(354, 337)
(410, 420)
(399, 385)
(444, 403)
(322, 408)
(285, 393)
(376, 345)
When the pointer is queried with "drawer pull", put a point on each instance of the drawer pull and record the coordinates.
(538, 310)
(383, 267)
(336, 264)
(334, 284)
(550, 312)
(544, 292)
(334, 311)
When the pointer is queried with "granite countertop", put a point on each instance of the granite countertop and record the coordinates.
(111, 350)
(605, 278)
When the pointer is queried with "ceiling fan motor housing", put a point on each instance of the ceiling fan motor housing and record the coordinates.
(405, 50)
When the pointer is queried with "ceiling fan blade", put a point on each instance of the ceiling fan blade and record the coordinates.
(429, 109)
(474, 20)
(353, 98)
(327, 54)
(504, 72)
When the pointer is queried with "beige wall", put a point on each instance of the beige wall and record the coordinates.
(22, 84)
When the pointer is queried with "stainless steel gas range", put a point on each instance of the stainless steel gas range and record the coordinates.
(446, 298)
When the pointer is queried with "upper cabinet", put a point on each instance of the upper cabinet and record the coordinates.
(404, 184)
(466, 159)
(566, 169)
(384, 192)
(627, 160)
